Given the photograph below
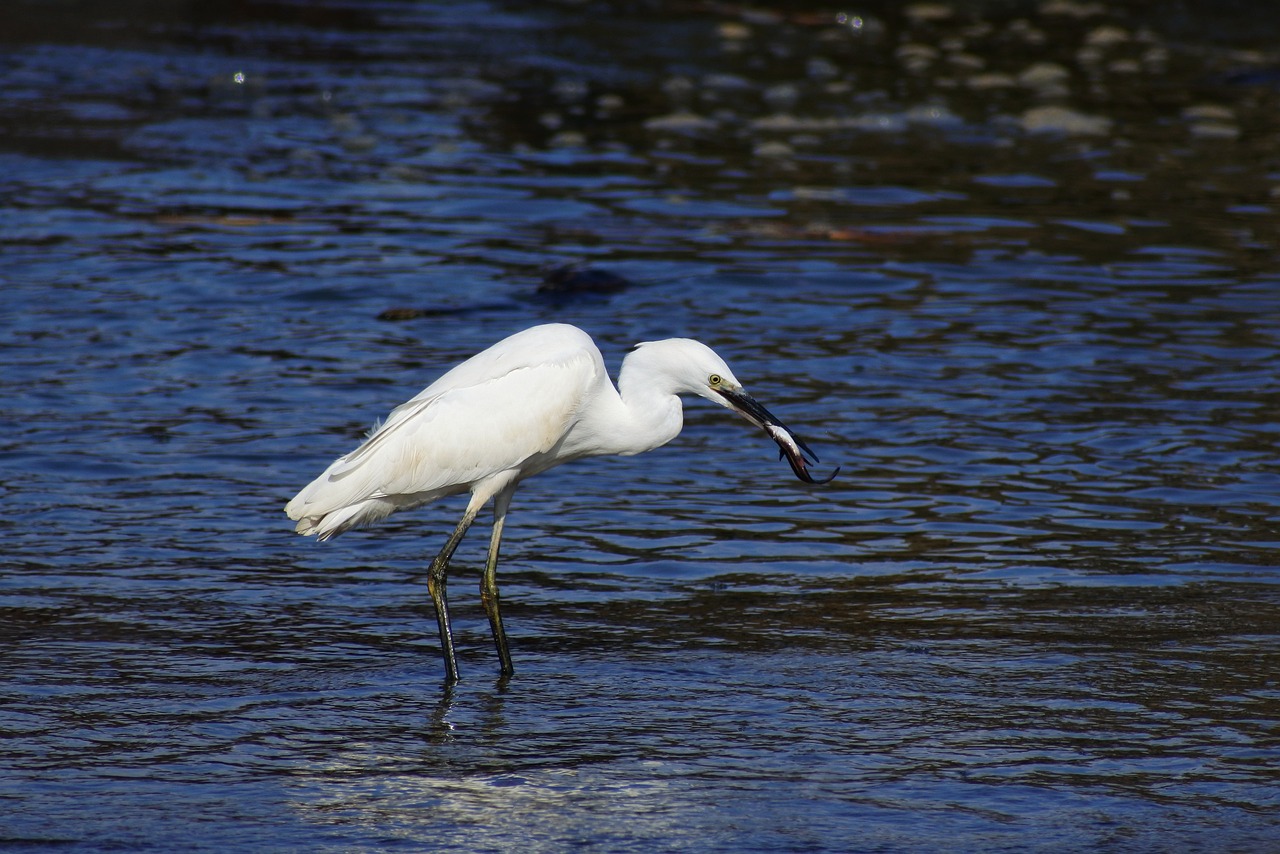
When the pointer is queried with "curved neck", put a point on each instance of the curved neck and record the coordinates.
(643, 413)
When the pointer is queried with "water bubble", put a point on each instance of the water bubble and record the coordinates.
(238, 77)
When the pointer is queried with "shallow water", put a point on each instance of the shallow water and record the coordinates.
(1037, 610)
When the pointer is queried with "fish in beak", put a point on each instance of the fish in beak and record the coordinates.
(790, 446)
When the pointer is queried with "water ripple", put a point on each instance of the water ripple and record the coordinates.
(1037, 610)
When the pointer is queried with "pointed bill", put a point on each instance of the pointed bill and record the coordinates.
(791, 446)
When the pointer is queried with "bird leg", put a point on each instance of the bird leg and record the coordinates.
(437, 582)
(489, 583)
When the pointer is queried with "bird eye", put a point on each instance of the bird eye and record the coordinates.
(714, 380)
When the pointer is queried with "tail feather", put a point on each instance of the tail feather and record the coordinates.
(326, 525)
(325, 508)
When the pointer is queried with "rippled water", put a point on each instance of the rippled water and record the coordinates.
(1037, 610)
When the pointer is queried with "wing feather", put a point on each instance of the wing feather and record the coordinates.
(497, 412)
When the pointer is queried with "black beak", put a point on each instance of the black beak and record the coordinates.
(791, 446)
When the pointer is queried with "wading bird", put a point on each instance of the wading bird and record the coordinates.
(535, 400)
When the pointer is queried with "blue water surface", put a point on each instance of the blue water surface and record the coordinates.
(1037, 610)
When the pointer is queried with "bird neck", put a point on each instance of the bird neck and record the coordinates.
(653, 418)
(644, 414)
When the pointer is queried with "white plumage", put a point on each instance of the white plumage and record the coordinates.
(532, 401)
(457, 434)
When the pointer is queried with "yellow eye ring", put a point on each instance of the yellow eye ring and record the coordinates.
(714, 380)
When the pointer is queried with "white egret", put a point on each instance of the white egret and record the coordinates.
(535, 400)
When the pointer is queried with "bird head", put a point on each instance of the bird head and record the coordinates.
(694, 368)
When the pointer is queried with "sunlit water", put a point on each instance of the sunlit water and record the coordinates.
(1037, 610)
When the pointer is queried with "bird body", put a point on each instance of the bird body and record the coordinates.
(532, 401)
(441, 443)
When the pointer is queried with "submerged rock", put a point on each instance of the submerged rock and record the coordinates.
(1063, 120)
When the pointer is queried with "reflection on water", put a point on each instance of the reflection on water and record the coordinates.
(1014, 273)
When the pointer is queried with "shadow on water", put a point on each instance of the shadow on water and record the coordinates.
(1011, 266)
